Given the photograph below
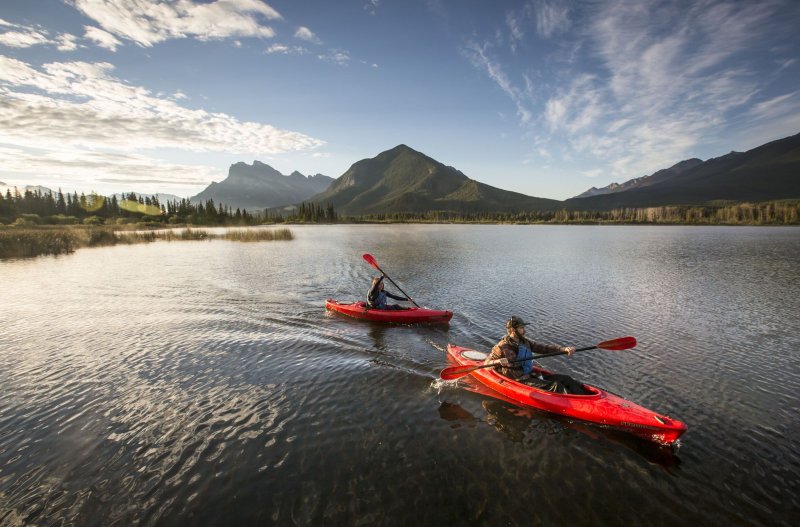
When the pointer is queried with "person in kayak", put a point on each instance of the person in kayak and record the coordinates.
(514, 346)
(376, 296)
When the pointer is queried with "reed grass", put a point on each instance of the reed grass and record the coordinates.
(28, 242)
(258, 235)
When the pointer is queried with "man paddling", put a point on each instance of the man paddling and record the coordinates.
(515, 347)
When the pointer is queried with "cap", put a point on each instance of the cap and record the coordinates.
(515, 322)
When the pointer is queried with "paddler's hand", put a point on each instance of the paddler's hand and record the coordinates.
(569, 350)
(504, 363)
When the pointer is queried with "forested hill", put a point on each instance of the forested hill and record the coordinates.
(404, 180)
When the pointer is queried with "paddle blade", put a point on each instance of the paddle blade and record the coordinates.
(622, 343)
(371, 260)
(454, 372)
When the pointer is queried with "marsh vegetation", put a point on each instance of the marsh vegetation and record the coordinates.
(25, 242)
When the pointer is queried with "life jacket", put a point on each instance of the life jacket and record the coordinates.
(374, 297)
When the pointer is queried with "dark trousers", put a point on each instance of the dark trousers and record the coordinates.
(557, 383)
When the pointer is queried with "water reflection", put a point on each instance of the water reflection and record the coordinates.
(519, 424)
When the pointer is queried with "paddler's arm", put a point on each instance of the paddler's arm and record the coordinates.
(539, 347)
(401, 298)
(497, 353)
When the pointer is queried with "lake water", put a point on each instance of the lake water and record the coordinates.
(204, 383)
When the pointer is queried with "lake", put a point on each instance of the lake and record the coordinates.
(204, 383)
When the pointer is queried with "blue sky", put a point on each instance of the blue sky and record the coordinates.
(542, 97)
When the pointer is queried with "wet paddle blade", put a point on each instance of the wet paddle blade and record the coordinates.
(371, 260)
(454, 372)
(622, 343)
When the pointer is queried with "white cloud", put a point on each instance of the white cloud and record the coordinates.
(93, 170)
(283, 49)
(372, 6)
(67, 42)
(336, 56)
(82, 106)
(151, 22)
(24, 37)
(303, 33)
(104, 39)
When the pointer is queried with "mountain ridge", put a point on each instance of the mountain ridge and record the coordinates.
(767, 172)
(259, 186)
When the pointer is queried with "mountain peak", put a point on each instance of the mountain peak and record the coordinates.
(402, 179)
(259, 186)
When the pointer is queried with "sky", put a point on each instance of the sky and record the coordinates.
(543, 97)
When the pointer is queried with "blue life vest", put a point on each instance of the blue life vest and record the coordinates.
(380, 302)
(525, 353)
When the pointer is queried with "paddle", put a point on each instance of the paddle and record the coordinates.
(371, 260)
(454, 372)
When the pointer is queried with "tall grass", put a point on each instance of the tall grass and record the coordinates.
(64, 239)
(258, 235)
(24, 243)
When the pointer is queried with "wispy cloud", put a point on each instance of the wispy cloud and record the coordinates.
(516, 33)
(372, 6)
(147, 23)
(551, 18)
(83, 106)
(478, 55)
(787, 104)
(104, 39)
(646, 83)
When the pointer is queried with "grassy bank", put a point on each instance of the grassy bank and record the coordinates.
(28, 242)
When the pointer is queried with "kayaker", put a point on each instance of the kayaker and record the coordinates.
(514, 346)
(376, 296)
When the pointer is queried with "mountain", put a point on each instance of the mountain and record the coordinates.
(22, 190)
(258, 186)
(767, 172)
(643, 181)
(404, 180)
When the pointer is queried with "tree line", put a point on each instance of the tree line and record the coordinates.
(308, 213)
(786, 212)
(34, 206)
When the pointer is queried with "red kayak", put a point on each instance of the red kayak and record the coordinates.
(411, 315)
(599, 406)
